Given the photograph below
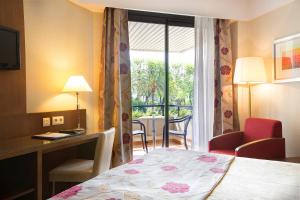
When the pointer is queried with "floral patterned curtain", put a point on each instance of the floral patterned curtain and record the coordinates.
(115, 85)
(224, 109)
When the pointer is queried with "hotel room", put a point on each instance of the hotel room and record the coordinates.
(141, 100)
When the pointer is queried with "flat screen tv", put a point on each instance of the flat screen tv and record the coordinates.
(9, 49)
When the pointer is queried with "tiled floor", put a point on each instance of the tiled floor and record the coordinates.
(138, 148)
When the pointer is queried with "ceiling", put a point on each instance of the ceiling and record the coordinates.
(227, 9)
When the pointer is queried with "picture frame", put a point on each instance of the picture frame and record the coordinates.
(287, 59)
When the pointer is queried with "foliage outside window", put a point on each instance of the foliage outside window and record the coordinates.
(148, 82)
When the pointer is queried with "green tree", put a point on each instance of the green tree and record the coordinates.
(148, 82)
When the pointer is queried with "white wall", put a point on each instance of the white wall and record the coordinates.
(277, 101)
(62, 39)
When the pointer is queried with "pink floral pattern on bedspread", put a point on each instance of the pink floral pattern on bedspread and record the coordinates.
(68, 193)
(169, 168)
(176, 187)
(161, 174)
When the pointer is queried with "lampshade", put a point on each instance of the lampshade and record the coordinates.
(77, 84)
(249, 70)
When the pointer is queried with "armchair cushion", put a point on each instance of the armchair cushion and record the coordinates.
(258, 128)
(227, 141)
(270, 148)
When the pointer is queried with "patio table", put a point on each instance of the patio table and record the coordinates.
(153, 124)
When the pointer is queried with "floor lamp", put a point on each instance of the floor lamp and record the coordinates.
(76, 84)
(249, 71)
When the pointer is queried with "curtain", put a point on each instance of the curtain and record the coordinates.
(203, 97)
(224, 112)
(115, 86)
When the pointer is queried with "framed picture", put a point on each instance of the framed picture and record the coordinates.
(287, 59)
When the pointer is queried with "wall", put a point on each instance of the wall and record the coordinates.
(278, 101)
(62, 39)
(13, 84)
(14, 121)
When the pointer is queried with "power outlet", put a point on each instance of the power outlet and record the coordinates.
(58, 120)
(46, 121)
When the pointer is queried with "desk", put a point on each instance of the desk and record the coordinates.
(28, 146)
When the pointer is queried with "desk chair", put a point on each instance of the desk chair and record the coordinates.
(80, 170)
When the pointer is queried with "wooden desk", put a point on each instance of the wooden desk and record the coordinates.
(26, 145)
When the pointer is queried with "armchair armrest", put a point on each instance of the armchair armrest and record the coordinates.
(226, 141)
(270, 148)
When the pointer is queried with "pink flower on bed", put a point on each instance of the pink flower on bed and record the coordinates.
(68, 193)
(131, 171)
(206, 158)
(137, 161)
(176, 187)
(168, 168)
(217, 170)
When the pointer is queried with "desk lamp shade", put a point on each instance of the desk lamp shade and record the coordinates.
(249, 70)
(76, 84)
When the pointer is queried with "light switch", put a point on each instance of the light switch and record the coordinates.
(46, 121)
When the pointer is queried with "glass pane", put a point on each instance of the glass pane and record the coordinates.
(181, 72)
(147, 55)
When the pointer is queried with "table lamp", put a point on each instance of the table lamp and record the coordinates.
(249, 71)
(77, 84)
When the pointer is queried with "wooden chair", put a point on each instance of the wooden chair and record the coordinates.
(142, 132)
(80, 170)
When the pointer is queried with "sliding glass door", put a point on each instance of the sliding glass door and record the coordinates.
(181, 77)
(162, 60)
(147, 55)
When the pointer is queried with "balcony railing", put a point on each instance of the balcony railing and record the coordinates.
(161, 107)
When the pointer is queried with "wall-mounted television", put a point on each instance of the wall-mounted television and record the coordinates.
(9, 49)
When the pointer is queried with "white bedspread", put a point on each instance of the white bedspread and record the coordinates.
(162, 174)
(259, 180)
(179, 174)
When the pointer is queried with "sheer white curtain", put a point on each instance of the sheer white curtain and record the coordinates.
(203, 98)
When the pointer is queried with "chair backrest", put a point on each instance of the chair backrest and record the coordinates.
(258, 128)
(186, 122)
(138, 122)
(103, 151)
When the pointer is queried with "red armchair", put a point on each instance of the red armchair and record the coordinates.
(261, 139)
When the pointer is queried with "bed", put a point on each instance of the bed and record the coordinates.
(180, 174)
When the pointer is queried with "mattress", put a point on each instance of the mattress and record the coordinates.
(259, 179)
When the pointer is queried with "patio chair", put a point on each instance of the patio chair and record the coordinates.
(179, 133)
(142, 132)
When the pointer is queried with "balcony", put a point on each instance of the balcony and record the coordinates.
(152, 116)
